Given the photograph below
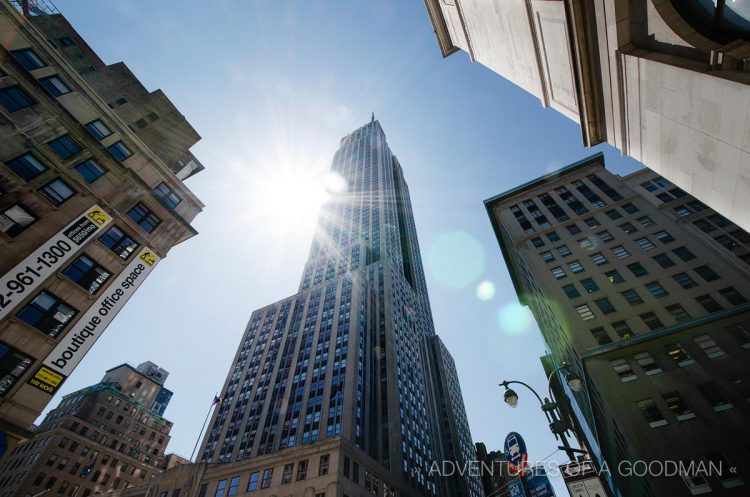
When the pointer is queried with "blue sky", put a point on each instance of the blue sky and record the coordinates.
(272, 87)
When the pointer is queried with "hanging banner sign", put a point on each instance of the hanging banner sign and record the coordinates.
(64, 358)
(30, 273)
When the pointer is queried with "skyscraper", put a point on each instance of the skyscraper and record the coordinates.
(347, 357)
(644, 291)
(664, 81)
(92, 195)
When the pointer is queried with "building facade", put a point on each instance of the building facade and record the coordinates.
(664, 81)
(91, 197)
(101, 438)
(643, 289)
(346, 359)
(494, 471)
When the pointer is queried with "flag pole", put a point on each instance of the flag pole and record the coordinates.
(217, 400)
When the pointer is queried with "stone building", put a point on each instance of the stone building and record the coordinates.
(91, 198)
(664, 81)
(643, 290)
(101, 438)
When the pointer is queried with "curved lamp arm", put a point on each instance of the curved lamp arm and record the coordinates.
(506, 383)
(564, 365)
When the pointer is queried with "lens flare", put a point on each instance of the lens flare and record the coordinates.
(514, 319)
(455, 259)
(485, 290)
(335, 183)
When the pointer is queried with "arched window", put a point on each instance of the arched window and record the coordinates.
(720, 20)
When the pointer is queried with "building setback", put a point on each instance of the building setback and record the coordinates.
(664, 81)
(91, 197)
(643, 289)
(101, 438)
(337, 391)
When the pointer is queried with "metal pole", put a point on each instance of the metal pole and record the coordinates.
(201, 432)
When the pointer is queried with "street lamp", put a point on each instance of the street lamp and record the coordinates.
(557, 425)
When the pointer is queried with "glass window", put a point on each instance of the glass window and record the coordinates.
(13, 364)
(564, 251)
(601, 336)
(323, 466)
(663, 260)
(727, 477)
(628, 228)
(576, 267)
(286, 476)
(538, 242)
(733, 296)
(684, 254)
(234, 484)
(632, 297)
(708, 303)
(714, 396)
(592, 222)
(629, 208)
(98, 129)
(54, 86)
(664, 237)
(649, 186)
(302, 470)
(144, 217)
(553, 237)
(119, 151)
(644, 243)
(87, 274)
(623, 370)
(645, 221)
(28, 59)
(558, 272)
(637, 269)
(605, 305)
(678, 354)
(677, 405)
(684, 280)
(678, 313)
(571, 291)
(613, 214)
(64, 146)
(90, 170)
(622, 329)
(47, 313)
(547, 256)
(709, 346)
(118, 242)
(647, 363)
(267, 474)
(599, 259)
(614, 277)
(586, 243)
(706, 273)
(741, 334)
(719, 220)
(573, 229)
(585, 312)
(15, 219)
(222, 485)
(605, 236)
(704, 225)
(652, 413)
(57, 191)
(652, 321)
(682, 210)
(13, 99)
(26, 166)
(620, 252)
(589, 285)
(656, 289)
(168, 197)
(252, 482)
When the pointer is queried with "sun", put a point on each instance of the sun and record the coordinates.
(286, 200)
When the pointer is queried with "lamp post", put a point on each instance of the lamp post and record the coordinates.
(557, 425)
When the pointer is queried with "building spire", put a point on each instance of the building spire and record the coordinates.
(372, 119)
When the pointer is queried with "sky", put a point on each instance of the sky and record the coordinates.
(272, 87)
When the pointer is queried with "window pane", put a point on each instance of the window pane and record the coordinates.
(119, 151)
(98, 129)
(15, 219)
(57, 191)
(64, 146)
(90, 170)
(26, 166)
(46, 313)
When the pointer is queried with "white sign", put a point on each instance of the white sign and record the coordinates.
(30, 273)
(76, 343)
(590, 487)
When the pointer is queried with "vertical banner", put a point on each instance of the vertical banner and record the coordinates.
(64, 358)
(30, 273)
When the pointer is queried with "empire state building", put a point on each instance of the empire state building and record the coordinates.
(346, 381)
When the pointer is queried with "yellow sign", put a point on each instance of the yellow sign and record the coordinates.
(98, 216)
(48, 376)
(149, 258)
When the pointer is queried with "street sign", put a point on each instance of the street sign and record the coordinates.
(515, 452)
(582, 480)
(515, 489)
(538, 483)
